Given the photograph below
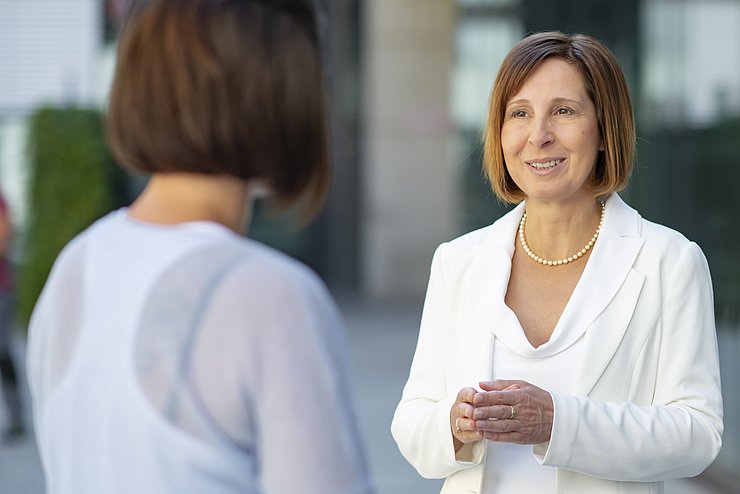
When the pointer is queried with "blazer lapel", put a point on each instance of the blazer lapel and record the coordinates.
(491, 269)
(608, 271)
(608, 281)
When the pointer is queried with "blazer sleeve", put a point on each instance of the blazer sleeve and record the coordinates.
(421, 423)
(680, 433)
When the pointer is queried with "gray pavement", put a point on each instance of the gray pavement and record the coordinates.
(382, 337)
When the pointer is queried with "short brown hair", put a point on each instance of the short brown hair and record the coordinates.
(605, 85)
(230, 87)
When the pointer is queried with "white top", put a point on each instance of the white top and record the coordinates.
(551, 366)
(170, 359)
(646, 401)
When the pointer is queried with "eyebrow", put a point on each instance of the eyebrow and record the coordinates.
(556, 101)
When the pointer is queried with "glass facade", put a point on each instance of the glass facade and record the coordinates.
(486, 31)
(690, 63)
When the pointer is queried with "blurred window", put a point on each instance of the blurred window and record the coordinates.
(486, 31)
(690, 62)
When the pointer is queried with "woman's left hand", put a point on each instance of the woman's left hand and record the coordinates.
(513, 412)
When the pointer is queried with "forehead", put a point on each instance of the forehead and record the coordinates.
(553, 77)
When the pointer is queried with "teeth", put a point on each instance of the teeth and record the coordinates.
(544, 165)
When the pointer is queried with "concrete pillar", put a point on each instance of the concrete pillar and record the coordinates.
(409, 179)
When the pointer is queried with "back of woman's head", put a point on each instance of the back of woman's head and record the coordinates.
(223, 87)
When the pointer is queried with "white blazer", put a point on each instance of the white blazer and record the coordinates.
(647, 405)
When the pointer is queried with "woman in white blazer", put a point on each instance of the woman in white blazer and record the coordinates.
(569, 347)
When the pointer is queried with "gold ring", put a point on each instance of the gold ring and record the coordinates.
(457, 426)
(513, 412)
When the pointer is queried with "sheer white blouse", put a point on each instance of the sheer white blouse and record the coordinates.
(170, 359)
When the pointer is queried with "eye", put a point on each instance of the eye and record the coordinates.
(564, 110)
(520, 113)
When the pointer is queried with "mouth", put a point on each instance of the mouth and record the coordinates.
(546, 164)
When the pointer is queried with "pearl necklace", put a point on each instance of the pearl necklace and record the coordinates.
(566, 260)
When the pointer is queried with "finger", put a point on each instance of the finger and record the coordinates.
(469, 437)
(497, 412)
(463, 425)
(467, 431)
(461, 412)
(463, 428)
(488, 398)
(500, 426)
(466, 395)
(465, 410)
(472, 436)
(501, 384)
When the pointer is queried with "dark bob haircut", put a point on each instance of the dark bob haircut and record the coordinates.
(230, 87)
(605, 84)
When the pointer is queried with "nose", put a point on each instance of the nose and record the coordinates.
(541, 134)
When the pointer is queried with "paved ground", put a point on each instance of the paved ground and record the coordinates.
(382, 339)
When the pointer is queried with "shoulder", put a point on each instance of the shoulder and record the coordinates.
(624, 221)
(672, 251)
(663, 240)
(260, 279)
(69, 261)
(62, 288)
(469, 241)
(268, 266)
(663, 247)
(495, 237)
(270, 300)
(662, 236)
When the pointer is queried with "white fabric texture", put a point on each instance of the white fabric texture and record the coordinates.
(185, 358)
(511, 467)
(646, 403)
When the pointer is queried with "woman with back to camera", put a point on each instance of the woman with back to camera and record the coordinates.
(570, 346)
(168, 353)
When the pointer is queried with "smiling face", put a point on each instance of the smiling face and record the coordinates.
(550, 134)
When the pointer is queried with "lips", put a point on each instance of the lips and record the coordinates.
(545, 165)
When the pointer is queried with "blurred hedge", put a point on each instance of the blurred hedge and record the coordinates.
(73, 181)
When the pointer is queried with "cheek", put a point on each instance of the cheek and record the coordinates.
(511, 141)
(589, 140)
(509, 158)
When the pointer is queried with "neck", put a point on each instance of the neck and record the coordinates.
(171, 198)
(556, 230)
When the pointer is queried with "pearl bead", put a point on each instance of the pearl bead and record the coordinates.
(559, 262)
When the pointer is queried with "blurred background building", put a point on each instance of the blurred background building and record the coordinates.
(409, 83)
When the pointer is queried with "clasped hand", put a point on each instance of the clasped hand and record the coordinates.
(505, 411)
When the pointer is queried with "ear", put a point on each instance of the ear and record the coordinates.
(601, 145)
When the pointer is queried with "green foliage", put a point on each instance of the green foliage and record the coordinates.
(73, 182)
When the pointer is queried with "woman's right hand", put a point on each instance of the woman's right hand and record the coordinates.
(462, 424)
